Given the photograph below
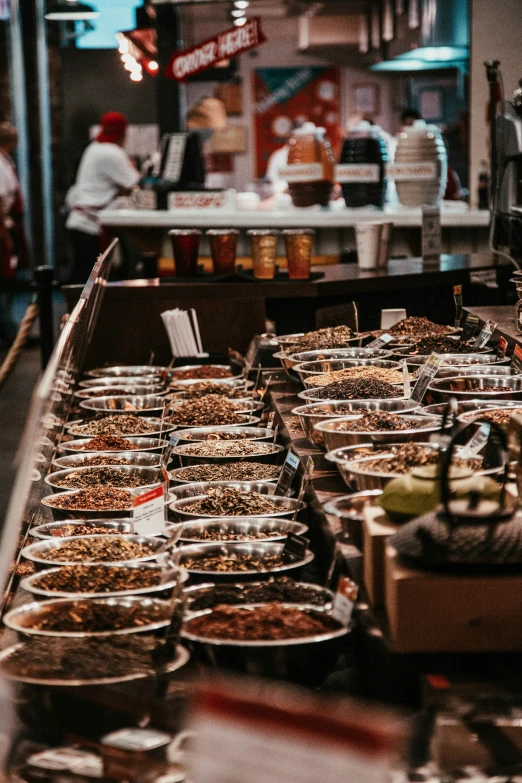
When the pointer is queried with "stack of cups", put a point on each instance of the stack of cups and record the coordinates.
(373, 244)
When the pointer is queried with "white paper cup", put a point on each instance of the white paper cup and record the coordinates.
(391, 317)
(373, 242)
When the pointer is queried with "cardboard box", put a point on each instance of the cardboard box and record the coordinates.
(436, 612)
(377, 528)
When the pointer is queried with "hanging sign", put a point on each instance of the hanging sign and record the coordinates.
(231, 42)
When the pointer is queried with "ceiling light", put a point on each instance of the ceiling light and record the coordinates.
(71, 11)
(237, 13)
(241, 3)
(153, 65)
(136, 76)
(240, 22)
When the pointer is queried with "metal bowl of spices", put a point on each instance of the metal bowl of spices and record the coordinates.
(125, 427)
(104, 581)
(485, 386)
(149, 404)
(310, 415)
(349, 510)
(225, 499)
(456, 359)
(229, 451)
(112, 445)
(71, 550)
(496, 370)
(307, 371)
(336, 434)
(189, 372)
(355, 389)
(126, 476)
(124, 371)
(234, 382)
(227, 471)
(225, 433)
(80, 618)
(109, 502)
(282, 589)
(91, 527)
(306, 655)
(289, 361)
(153, 382)
(238, 561)
(135, 458)
(465, 406)
(499, 415)
(114, 390)
(236, 529)
(214, 410)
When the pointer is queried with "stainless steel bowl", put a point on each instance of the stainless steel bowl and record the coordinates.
(20, 619)
(150, 475)
(248, 408)
(465, 388)
(308, 369)
(311, 395)
(149, 381)
(176, 475)
(327, 354)
(497, 370)
(349, 511)
(457, 359)
(235, 529)
(191, 434)
(119, 390)
(30, 583)
(198, 552)
(236, 382)
(310, 415)
(124, 370)
(467, 405)
(59, 514)
(176, 371)
(150, 404)
(248, 421)
(306, 660)
(335, 438)
(138, 458)
(143, 445)
(187, 496)
(274, 456)
(160, 427)
(41, 552)
(68, 527)
(469, 417)
(286, 341)
(193, 593)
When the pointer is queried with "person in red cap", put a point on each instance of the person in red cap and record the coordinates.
(105, 172)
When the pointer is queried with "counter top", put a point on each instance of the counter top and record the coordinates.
(452, 215)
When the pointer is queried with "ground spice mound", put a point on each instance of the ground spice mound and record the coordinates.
(380, 420)
(364, 371)
(106, 443)
(205, 371)
(264, 623)
(96, 550)
(100, 461)
(97, 579)
(101, 477)
(76, 616)
(95, 499)
(230, 471)
(357, 389)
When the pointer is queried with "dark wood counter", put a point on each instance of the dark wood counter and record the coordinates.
(229, 313)
(504, 315)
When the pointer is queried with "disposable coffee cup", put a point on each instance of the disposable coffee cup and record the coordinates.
(386, 233)
(373, 244)
(390, 317)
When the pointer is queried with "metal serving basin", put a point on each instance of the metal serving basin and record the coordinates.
(41, 552)
(311, 395)
(119, 389)
(127, 371)
(177, 371)
(308, 369)
(177, 474)
(198, 552)
(456, 359)
(160, 427)
(274, 456)
(68, 527)
(349, 511)
(59, 513)
(469, 387)
(136, 458)
(149, 404)
(150, 475)
(191, 434)
(237, 529)
(188, 495)
(142, 444)
(152, 382)
(336, 438)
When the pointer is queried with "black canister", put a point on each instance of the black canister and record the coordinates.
(365, 145)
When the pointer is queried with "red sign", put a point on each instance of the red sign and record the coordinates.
(230, 43)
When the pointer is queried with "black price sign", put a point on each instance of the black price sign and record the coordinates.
(516, 359)
(472, 321)
(384, 339)
(429, 370)
(457, 295)
(295, 548)
(287, 474)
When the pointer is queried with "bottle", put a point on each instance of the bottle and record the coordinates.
(308, 145)
(365, 144)
(483, 187)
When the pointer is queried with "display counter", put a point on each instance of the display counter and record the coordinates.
(231, 312)
(464, 230)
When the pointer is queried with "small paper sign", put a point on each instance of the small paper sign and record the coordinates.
(477, 442)
(428, 371)
(407, 172)
(457, 295)
(344, 600)
(287, 474)
(148, 512)
(295, 548)
(470, 326)
(502, 348)
(357, 172)
(384, 339)
(516, 360)
(302, 172)
(431, 233)
(406, 379)
(270, 424)
(484, 334)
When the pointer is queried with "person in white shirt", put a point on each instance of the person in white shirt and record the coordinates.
(105, 172)
(13, 243)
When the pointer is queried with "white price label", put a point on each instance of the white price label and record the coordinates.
(344, 600)
(357, 172)
(188, 200)
(302, 172)
(407, 172)
(148, 512)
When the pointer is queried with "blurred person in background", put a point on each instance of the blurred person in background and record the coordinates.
(13, 243)
(408, 117)
(105, 172)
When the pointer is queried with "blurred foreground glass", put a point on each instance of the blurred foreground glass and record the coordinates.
(223, 245)
(185, 248)
(264, 249)
(298, 243)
